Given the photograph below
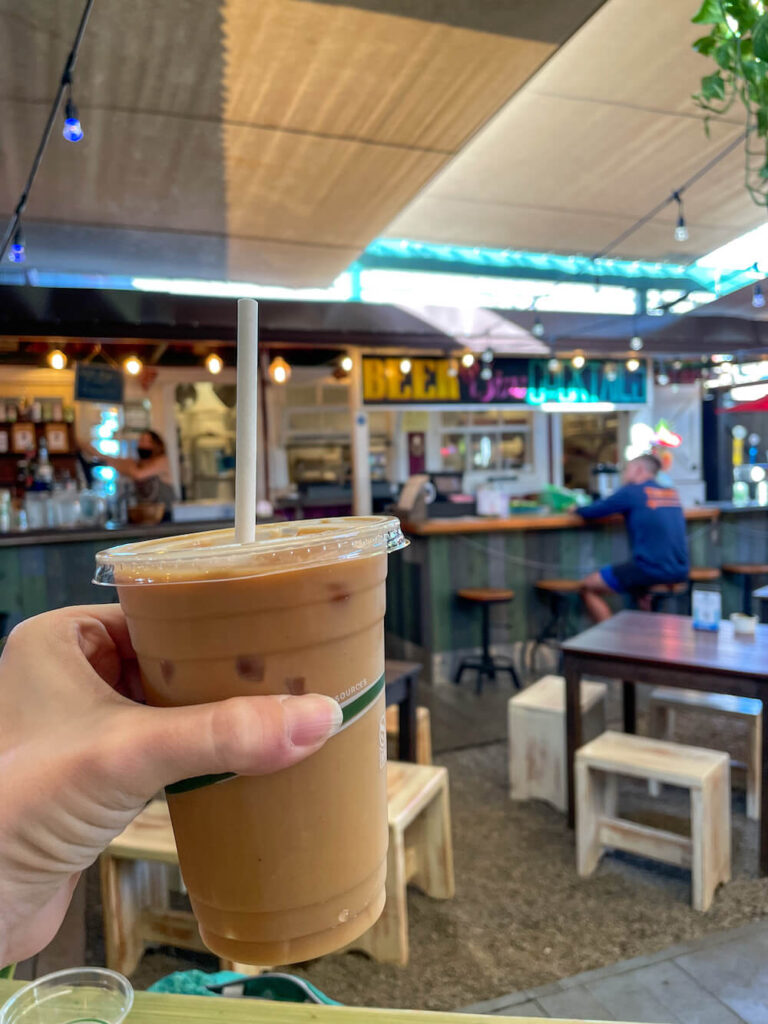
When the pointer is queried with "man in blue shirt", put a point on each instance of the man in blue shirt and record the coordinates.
(656, 528)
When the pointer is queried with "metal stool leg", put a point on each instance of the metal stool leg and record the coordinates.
(747, 592)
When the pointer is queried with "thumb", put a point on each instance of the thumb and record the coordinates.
(244, 735)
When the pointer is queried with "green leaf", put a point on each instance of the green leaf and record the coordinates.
(705, 45)
(713, 87)
(710, 13)
(764, 171)
(760, 38)
(761, 121)
(724, 55)
(744, 12)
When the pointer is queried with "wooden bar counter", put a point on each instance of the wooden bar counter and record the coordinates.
(156, 1008)
(425, 620)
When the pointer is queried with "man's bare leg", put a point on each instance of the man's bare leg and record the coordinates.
(592, 590)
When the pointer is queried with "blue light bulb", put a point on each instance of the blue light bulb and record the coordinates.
(16, 253)
(72, 130)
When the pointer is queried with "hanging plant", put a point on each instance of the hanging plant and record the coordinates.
(738, 43)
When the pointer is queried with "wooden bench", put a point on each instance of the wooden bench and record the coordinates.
(665, 701)
(137, 869)
(420, 854)
(536, 735)
(423, 734)
(705, 773)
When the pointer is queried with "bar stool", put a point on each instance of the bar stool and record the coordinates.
(700, 574)
(663, 592)
(486, 664)
(748, 571)
(561, 594)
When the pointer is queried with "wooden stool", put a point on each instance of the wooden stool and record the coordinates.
(665, 701)
(705, 773)
(536, 733)
(423, 734)
(420, 852)
(561, 593)
(486, 664)
(136, 870)
(748, 572)
(663, 592)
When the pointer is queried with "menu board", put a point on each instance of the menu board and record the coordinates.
(440, 380)
(98, 383)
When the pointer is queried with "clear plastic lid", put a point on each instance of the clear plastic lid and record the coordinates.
(80, 995)
(278, 547)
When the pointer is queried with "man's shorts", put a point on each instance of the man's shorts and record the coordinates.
(629, 578)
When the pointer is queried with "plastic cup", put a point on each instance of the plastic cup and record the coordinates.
(285, 867)
(82, 995)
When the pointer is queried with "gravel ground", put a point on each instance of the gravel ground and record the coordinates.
(521, 917)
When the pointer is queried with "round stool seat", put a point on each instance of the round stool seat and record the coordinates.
(485, 595)
(559, 586)
(669, 588)
(704, 574)
(746, 569)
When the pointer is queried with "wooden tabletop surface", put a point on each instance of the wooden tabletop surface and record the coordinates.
(652, 638)
(760, 592)
(154, 1008)
(488, 524)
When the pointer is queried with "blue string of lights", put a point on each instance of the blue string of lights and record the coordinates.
(13, 238)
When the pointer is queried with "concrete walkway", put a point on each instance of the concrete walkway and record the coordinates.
(720, 979)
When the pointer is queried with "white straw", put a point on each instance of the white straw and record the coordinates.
(247, 424)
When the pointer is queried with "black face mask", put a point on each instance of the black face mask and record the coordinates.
(145, 453)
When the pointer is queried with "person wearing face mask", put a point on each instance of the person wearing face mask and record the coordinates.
(150, 473)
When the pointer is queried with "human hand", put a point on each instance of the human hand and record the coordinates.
(80, 757)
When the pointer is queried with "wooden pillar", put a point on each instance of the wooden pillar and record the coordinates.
(361, 468)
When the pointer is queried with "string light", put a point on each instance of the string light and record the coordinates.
(486, 355)
(214, 363)
(554, 365)
(405, 366)
(611, 372)
(681, 229)
(133, 365)
(538, 328)
(578, 361)
(758, 299)
(486, 373)
(56, 359)
(636, 343)
(467, 360)
(279, 371)
(17, 253)
(347, 363)
(453, 368)
(633, 364)
(72, 130)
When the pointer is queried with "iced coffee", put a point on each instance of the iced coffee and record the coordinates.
(284, 867)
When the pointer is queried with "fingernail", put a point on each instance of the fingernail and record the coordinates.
(311, 719)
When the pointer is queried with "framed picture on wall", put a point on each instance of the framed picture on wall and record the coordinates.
(23, 438)
(57, 437)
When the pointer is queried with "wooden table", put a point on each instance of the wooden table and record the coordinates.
(665, 650)
(401, 679)
(157, 1008)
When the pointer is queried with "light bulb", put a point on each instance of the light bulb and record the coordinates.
(467, 360)
(681, 231)
(279, 370)
(405, 366)
(487, 355)
(347, 363)
(611, 372)
(554, 365)
(56, 359)
(756, 474)
(486, 373)
(578, 361)
(72, 130)
(17, 253)
(214, 363)
(677, 364)
(538, 328)
(453, 368)
(133, 365)
(633, 364)
(662, 379)
(758, 299)
(636, 343)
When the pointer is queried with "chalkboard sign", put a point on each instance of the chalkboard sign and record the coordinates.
(98, 384)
